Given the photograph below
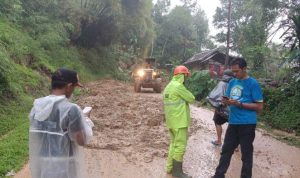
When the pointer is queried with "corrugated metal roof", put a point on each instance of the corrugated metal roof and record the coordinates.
(214, 55)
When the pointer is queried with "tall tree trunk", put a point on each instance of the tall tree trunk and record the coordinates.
(152, 46)
(228, 35)
(86, 3)
(184, 50)
(163, 51)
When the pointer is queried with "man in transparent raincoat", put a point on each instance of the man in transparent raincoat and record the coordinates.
(57, 131)
(177, 114)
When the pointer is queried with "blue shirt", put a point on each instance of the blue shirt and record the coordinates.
(245, 91)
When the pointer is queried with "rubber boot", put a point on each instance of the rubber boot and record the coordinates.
(177, 170)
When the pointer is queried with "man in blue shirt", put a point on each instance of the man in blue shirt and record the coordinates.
(244, 97)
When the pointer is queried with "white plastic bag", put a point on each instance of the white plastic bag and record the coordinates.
(88, 124)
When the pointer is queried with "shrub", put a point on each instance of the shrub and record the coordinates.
(282, 107)
(4, 70)
(200, 84)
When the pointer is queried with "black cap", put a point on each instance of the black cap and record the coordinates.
(66, 76)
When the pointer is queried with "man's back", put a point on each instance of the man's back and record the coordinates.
(53, 120)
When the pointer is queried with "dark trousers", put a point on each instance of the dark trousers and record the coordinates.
(235, 135)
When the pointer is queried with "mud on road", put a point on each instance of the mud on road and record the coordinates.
(130, 124)
(131, 141)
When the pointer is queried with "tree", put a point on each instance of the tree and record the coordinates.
(250, 26)
(137, 27)
(291, 36)
(180, 34)
(201, 27)
(11, 9)
(159, 10)
(178, 31)
(190, 4)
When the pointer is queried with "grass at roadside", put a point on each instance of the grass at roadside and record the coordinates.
(14, 125)
(14, 149)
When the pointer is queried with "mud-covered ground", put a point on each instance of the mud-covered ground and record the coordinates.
(131, 141)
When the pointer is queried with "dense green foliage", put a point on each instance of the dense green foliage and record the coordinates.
(88, 36)
(251, 23)
(282, 107)
(14, 135)
(282, 104)
(291, 8)
(291, 36)
(200, 84)
(180, 33)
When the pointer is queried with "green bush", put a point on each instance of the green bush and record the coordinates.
(12, 9)
(4, 71)
(200, 84)
(14, 144)
(282, 107)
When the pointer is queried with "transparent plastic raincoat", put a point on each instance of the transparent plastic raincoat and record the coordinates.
(56, 125)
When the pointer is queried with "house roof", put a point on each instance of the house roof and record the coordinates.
(205, 56)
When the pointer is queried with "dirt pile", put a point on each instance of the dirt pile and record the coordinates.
(131, 123)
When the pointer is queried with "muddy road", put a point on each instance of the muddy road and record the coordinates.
(131, 141)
